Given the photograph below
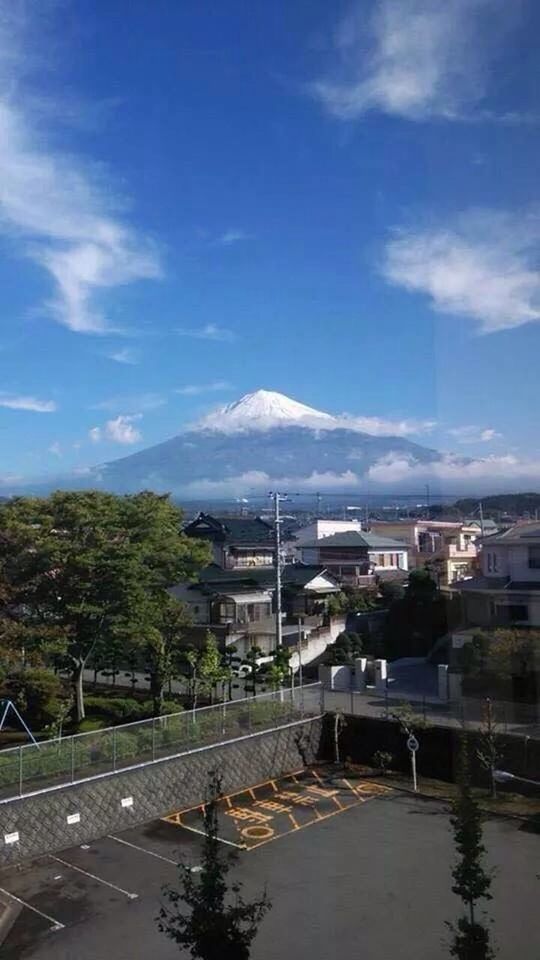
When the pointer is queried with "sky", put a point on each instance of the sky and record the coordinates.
(338, 202)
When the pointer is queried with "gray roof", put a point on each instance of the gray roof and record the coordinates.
(496, 584)
(234, 530)
(352, 538)
(518, 533)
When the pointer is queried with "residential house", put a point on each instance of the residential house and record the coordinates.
(237, 605)
(449, 548)
(356, 558)
(507, 591)
(237, 542)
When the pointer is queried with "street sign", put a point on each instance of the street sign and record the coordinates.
(412, 744)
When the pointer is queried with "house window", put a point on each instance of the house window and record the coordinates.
(489, 563)
(495, 563)
(534, 558)
(195, 609)
(381, 560)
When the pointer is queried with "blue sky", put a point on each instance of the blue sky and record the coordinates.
(335, 201)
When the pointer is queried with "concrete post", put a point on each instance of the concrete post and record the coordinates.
(360, 665)
(442, 680)
(335, 678)
(381, 673)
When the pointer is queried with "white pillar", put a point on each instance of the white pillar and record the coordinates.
(360, 665)
(335, 678)
(381, 671)
(442, 679)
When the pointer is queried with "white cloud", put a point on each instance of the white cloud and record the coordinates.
(411, 58)
(256, 481)
(209, 332)
(482, 266)
(473, 434)
(121, 429)
(55, 449)
(381, 427)
(232, 236)
(196, 389)
(126, 355)
(491, 473)
(53, 209)
(118, 430)
(27, 403)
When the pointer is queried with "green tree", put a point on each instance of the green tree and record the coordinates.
(207, 916)
(416, 621)
(346, 647)
(87, 566)
(39, 695)
(471, 881)
(279, 670)
(207, 668)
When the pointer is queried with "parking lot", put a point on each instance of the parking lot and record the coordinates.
(347, 865)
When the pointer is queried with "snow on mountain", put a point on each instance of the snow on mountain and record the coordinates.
(264, 410)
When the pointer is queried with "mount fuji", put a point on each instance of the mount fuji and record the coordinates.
(263, 440)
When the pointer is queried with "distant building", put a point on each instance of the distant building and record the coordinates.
(355, 558)
(508, 589)
(448, 547)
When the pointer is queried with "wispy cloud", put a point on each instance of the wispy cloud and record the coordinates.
(55, 449)
(209, 332)
(410, 58)
(231, 236)
(196, 389)
(134, 403)
(27, 403)
(52, 207)
(484, 266)
(473, 434)
(125, 355)
(382, 427)
(118, 430)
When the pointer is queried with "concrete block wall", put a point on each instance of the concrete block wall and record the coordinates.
(60, 818)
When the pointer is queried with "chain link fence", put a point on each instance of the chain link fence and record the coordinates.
(69, 759)
(509, 716)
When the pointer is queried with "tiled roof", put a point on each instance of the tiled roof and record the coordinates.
(519, 532)
(231, 529)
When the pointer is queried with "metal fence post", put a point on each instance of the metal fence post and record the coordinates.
(20, 771)
(386, 704)
(153, 738)
(114, 748)
(72, 759)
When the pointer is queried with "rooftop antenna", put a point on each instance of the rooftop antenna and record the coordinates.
(5, 707)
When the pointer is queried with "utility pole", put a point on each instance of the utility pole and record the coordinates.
(319, 499)
(481, 512)
(427, 500)
(278, 498)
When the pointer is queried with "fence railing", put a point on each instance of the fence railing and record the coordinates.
(508, 716)
(66, 760)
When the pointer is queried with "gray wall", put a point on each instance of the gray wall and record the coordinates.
(157, 789)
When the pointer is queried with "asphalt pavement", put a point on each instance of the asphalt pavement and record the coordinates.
(371, 879)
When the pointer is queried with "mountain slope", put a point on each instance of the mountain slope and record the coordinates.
(263, 440)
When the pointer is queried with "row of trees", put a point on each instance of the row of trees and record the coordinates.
(84, 576)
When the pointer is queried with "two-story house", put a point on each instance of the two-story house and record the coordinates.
(356, 557)
(449, 548)
(237, 542)
(508, 589)
(235, 596)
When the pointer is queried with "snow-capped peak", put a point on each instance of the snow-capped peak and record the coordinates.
(264, 410)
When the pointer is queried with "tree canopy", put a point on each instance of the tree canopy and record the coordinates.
(84, 569)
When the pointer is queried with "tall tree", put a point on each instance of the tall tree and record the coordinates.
(92, 565)
(206, 915)
(471, 881)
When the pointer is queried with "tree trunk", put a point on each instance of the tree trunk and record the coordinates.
(77, 680)
(157, 683)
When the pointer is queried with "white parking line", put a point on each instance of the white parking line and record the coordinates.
(131, 896)
(56, 925)
(135, 846)
(239, 846)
